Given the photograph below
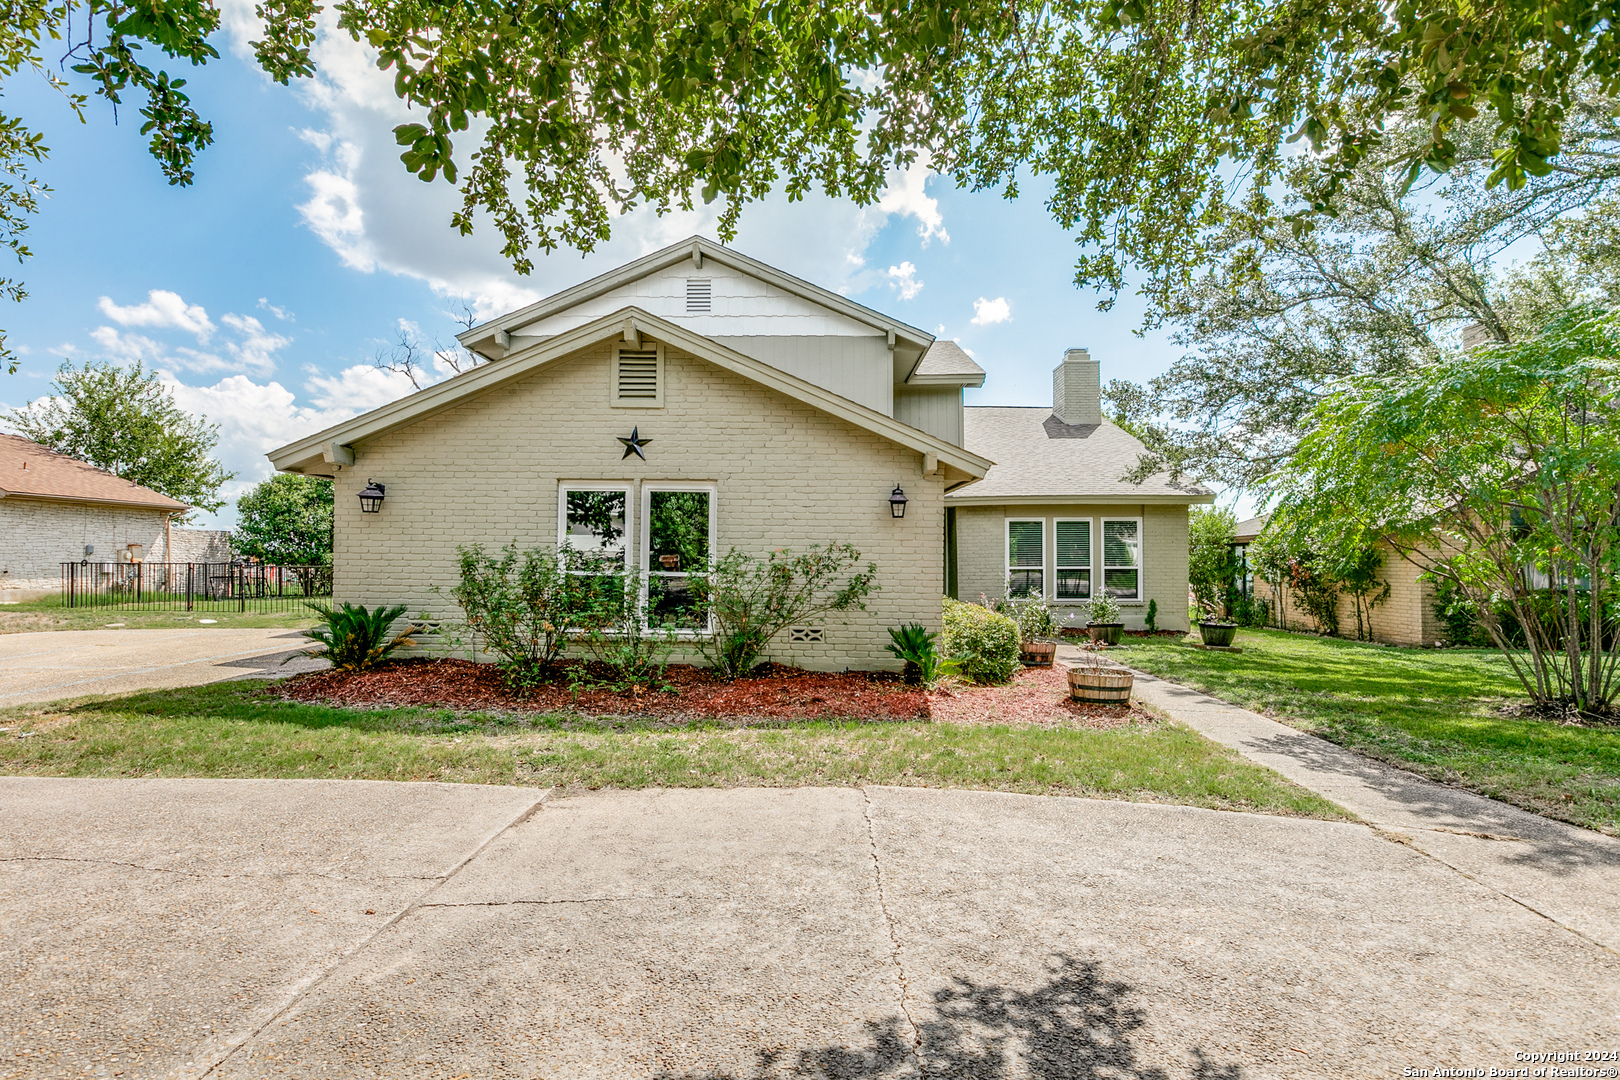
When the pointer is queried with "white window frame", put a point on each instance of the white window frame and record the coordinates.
(654, 402)
(1141, 559)
(1090, 568)
(603, 485)
(1007, 567)
(644, 557)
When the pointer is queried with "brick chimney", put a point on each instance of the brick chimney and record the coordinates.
(1077, 390)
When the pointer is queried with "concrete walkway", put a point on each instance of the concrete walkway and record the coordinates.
(190, 928)
(69, 663)
(1568, 874)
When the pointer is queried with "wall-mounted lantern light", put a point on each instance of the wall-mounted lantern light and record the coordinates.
(371, 498)
(897, 502)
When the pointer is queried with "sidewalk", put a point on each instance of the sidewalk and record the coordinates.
(1566, 874)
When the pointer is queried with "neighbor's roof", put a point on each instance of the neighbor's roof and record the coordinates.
(945, 364)
(1247, 531)
(31, 470)
(1041, 459)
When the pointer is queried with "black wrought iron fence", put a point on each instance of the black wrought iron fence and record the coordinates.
(159, 586)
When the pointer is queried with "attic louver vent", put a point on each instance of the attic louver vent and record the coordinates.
(697, 296)
(638, 373)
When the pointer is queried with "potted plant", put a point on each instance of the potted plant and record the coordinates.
(1093, 682)
(1104, 627)
(1215, 631)
(1037, 633)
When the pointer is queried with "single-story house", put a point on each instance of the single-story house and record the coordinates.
(699, 387)
(1407, 617)
(56, 509)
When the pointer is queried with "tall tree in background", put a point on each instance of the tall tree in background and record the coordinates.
(1283, 315)
(125, 421)
(286, 520)
(1152, 118)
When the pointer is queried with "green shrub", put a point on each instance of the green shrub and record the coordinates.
(749, 600)
(1151, 619)
(523, 605)
(1105, 609)
(983, 642)
(355, 638)
(637, 649)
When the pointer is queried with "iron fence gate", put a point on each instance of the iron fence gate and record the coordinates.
(159, 586)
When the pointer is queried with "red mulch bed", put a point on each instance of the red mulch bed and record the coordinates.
(1037, 697)
(775, 693)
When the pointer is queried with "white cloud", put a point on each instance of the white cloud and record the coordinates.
(279, 312)
(162, 309)
(357, 388)
(990, 312)
(904, 280)
(256, 348)
(907, 196)
(377, 217)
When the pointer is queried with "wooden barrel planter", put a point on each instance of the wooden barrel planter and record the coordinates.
(1037, 653)
(1105, 686)
(1106, 633)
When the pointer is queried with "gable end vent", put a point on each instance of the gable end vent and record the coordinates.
(638, 373)
(698, 296)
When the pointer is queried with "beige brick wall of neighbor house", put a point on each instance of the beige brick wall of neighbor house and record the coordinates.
(38, 535)
(1406, 618)
(981, 546)
(488, 470)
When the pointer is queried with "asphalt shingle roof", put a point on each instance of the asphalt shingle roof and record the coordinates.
(1039, 456)
(27, 468)
(946, 358)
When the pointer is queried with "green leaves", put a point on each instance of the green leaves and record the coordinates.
(286, 520)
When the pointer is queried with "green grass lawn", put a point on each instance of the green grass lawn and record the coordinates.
(51, 614)
(234, 730)
(1432, 711)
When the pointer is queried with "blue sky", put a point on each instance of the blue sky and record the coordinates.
(264, 291)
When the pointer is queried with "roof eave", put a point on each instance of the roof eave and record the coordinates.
(176, 508)
(1157, 499)
(974, 381)
(485, 338)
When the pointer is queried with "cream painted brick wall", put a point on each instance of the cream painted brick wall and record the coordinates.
(981, 547)
(38, 535)
(1406, 618)
(487, 470)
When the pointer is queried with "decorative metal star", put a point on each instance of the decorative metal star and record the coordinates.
(633, 444)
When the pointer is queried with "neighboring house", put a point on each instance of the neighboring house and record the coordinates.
(56, 509)
(1406, 618)
(697, 392)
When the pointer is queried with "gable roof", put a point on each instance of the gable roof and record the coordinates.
(491, 338)
(1039, 458)
(1249, 530)
(945, 364)
(314, 453)
(33, 471)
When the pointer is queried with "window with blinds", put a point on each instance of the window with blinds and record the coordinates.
(1122, 558)
(1073, 559)
(1026, 558)
(638, 376)
(698, 296)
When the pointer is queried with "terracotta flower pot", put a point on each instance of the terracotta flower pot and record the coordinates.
(1105, 686)
(1217, 633)
(1037, 653)
(1106, 633)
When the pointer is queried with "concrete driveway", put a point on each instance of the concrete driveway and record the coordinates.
(69, 663)
(333, 929)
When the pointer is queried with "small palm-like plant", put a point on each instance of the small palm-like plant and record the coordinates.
(925, 664)
(356, 638)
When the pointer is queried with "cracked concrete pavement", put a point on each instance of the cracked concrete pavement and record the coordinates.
(188, 928)
(1568, 874)
(57, 664)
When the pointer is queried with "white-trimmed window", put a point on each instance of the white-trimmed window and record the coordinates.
(677, 545)
(637, 375)
(593, 522)
(1071, 544)
(1122, 558)
(1026, 557)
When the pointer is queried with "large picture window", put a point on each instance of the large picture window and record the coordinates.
(677, 542)
(1122, 558)
(1072, 565)
(1026, 558)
